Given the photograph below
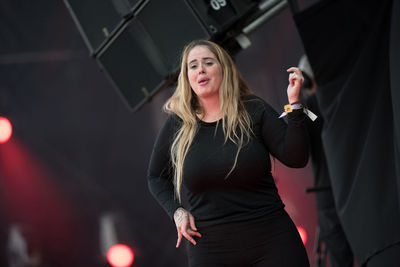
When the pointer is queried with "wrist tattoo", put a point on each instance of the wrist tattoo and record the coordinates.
(179, 215)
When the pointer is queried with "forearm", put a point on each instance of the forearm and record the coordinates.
(287, 142)
(296, 147)
(163, 191)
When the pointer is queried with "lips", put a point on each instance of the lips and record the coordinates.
(203, 81)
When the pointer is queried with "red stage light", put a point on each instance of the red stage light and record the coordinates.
(5, 130)
(303, 234)
(120, 256)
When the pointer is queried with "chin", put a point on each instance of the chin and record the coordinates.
(207, 94)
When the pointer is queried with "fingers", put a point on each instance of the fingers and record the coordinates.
(189, 233)
(294, 69)
(295, 81)
(186, 227)
(191, 221)
(179, 239)
(292, 79)
(193, 233)
(189, 237)
(295, 75)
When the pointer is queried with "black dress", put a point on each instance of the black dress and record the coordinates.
(245, 202)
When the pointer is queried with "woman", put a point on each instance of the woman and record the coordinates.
(216, 142)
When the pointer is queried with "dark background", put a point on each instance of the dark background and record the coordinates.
(78, 152)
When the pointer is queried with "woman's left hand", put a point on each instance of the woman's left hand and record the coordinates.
(295, 81)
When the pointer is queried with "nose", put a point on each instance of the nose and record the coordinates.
(201, 69)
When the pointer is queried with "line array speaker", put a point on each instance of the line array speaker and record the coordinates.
(137, 43)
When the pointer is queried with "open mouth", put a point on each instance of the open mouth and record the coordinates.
(203, 81)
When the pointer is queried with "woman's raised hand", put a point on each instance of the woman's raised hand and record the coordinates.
(295, 81)
(185, 226)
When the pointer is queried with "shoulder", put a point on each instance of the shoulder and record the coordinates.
(167, 132)
(171, 124)
(173, 119)
(170, 127)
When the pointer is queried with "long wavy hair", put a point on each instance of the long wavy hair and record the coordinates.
(184, 103)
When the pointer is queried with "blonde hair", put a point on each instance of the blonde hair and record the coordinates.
(236, 123)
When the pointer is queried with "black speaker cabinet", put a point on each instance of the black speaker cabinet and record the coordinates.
(145, 53)
(218, 16)
(97, 20)
(138, 43)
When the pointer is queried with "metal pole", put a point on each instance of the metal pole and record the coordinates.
(275, 6)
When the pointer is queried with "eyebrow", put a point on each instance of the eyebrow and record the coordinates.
(204, 58)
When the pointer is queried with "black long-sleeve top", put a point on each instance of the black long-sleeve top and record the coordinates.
(249, 192)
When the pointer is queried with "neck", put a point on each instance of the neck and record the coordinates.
(211, 109)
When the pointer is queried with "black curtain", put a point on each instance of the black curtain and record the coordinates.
(395, 81)
(353, 48)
